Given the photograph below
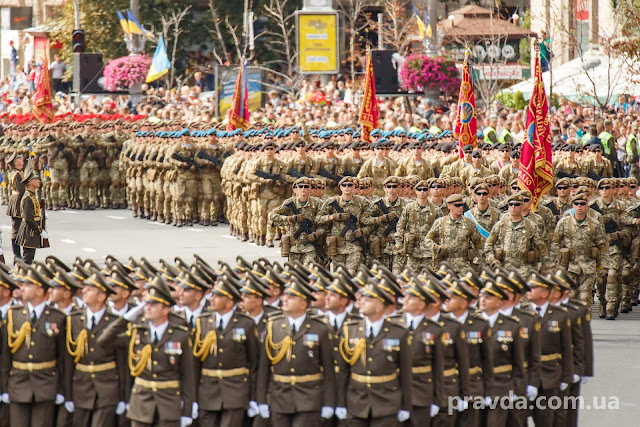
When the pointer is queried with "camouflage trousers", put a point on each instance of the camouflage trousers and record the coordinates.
(586, 284)
(305, 258)
(352, 261)
(394, 262)
(416, 264)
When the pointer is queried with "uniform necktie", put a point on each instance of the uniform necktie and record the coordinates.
(192, 322)
(293, 329)
(34, 316)
(371, 336)
(155, 338)
(220, 326)
(411, 328)
(539, 311)
(335, 324)
(93, 322)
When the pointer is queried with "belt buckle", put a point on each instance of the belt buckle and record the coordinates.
(368, 379)
(219, 373)
(154, 387)
(293, 380)
(30, 366)
(92, 369)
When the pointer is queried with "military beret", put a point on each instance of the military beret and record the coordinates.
(348, 179)
(302, 180)
(518, 197)
(454, 198)
(391, 180)
(580, 197)
(563, 181)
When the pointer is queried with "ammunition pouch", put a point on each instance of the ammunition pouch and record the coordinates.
(499, 254)
(409, 243)
(635, 249)
(285, 245)
(532, 256)
(595, 252)
(375, 247)
(565, 257)
(471, 254)
(332, 246)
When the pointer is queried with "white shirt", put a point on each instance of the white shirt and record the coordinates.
(507, 311)
(5, 308)
(258, 317)
(97, 315)
(377, 325)
(462, 318)
(225, 318)
(413, 321)
(192, 314)
(491, 319)
(65, 310)
(158, 331)
(297, 322)
(336, 317)
(38, 309)
(350, 307)
(275, 304)
(121, 312)
(58, 68)
(543, 308)
(436, 317)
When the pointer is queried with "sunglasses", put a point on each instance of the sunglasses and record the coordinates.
(515, 187)
(477, 156)
(633, 186)
(494, 185)
(580, 203)
(458, 205)
(597, 151)
(482, 194)
(269, 148)
(526, 200)
(304, 186)
(437, 186)
(575, 186)
(347, 184)
(606, 187)
(562, 187)
(514, 204)
(391, 186)
(422, 189)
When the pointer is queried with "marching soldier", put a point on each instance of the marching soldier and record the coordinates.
(375, 379)
(160, 360)
(17, 188)
(30, 233)
(34, 359)
(296, 376)
(226, 351)
(483, 215)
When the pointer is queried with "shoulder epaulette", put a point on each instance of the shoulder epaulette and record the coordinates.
(54, 309)
(180, 327)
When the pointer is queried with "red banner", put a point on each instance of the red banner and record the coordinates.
(466, 129)
(369, 110)
(239, 111)
(535, 161)
(42, 102)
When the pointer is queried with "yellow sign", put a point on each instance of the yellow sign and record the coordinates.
(318, 42)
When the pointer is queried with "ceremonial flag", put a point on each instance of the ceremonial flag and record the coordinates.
(420, 22)
(427, 23)
(239, 111)
(135, 27)
(4, 184)
(160, 64)
(466, 128)
(535, 160)
(31, 152)
(42, 106)
(369, 110)
(123, 23)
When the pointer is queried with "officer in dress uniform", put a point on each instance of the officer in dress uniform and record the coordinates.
(30, 233)
(160, 359)
(7, 286)
(226, 349)
(34, 359)
(17, 191)
(94, 392)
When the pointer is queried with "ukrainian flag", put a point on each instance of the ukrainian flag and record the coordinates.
(4, 184)
(31, 152)
(46, 171)
(160, 64)
(135, 27)
(123, 22)
(427, 23)
(420, 22)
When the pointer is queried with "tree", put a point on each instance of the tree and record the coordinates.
(627, 45)
(353, 12)
(397, 29)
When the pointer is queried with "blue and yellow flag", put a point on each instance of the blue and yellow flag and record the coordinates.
(427, 23)
(46, 171)
(420, 22)
(135, 27)
(160, 64)
(31, 152)
(123, 23)
(4, 184)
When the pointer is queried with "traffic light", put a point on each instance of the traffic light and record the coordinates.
(77, 41)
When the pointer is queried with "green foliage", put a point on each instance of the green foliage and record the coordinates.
(525, 44)
(512, 100)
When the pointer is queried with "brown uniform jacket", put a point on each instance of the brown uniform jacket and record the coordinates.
(236, 349)
(530, 335)
(171, 360)
(29, 231)
(587, 335)
(387, 355)
(427, 369)
(44, 345)
(456, 357)
(94, 381)
(507, 347)
(304, 379)
(478, 334)
(577, 338)
(17, 191)
(556, 348)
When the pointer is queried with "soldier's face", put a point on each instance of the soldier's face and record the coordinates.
(455, 303)
(292, 304)
(220, 303)
(250, 302)
(155, 311)
(538, 295)
(334, 302)
(413, 304)
(91, 295)
(369, 306)
(120, 294)
(189, 296)
(391, 191)
(320, 300)
(59, 294)
(347, 188)
(490, 303)
(31, 291)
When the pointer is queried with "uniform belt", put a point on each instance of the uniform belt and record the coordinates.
(293, 379)
(224, 373)
(96, 368)
(37, 218)
(374, 379)
(157, 385)
(550, 357)
(450, 372)
(502, 369)
(421, 369)
(34, 366)
(525, 365)
(475, 370)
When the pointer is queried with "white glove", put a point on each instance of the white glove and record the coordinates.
(253, 409)
(531, 392)
(403, 415)
(463, 405)
(5, 398)
(341, 413)
(44, 234)
(126, 406)
(194, 410)
(120, 408)
(59, 399)
(327, 412)
(264, 410)
(1, 251)
(583, 380)
(563, 386)
(576, 378)
(132, 314)
(69, 407)
(434, 410)
(185, 421)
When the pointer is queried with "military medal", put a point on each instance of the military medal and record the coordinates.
(311, 339)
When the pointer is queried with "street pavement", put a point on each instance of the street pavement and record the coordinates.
(96, 234)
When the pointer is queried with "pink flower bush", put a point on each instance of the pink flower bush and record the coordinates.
(122, 73)
(421, 72)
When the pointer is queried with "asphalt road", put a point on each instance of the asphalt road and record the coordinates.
(96, 234)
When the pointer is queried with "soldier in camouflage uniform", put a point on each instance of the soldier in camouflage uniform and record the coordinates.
(210, 161)
(415, 222)
(184, 186)
(514, 242)
(378, 167)
(454, 238)
(297, 214)
(345, 237)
